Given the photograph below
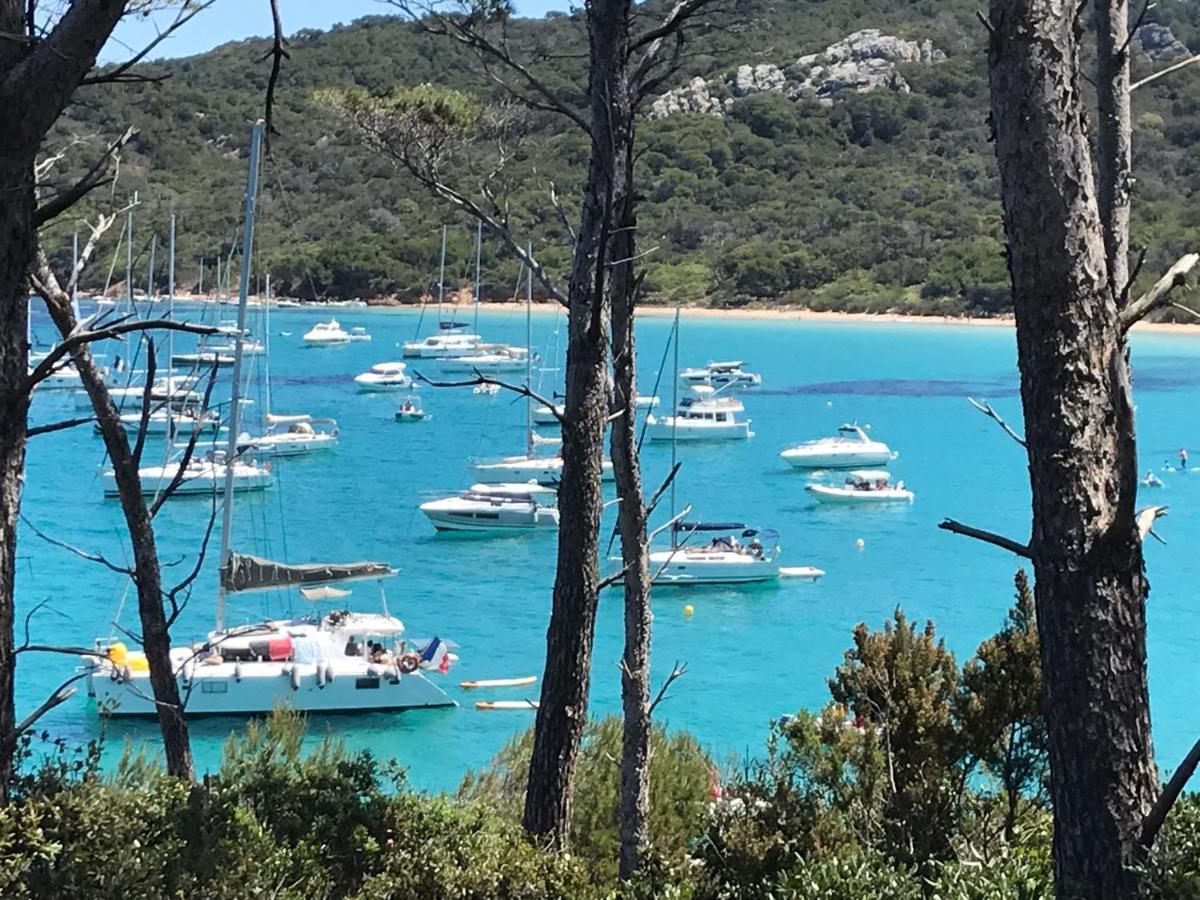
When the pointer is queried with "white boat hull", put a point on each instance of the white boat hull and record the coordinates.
(455, 514)
(547, 470)
(202, 480)
(256, 688)
(838, 459)
(697, 430)
(684, 567)
(854, 497)
(382, 385)
(288, 444)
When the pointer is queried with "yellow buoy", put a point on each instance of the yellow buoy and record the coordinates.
(688, 610)
(860, 543)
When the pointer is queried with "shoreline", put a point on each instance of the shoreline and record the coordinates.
(786, 314)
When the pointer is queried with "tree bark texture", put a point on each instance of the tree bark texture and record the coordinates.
(156, 639)
(1114, 176)
(631, 523)
(1075, 388)
(562, 711)
(37, 80)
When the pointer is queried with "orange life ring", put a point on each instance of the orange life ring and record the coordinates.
(409, 663)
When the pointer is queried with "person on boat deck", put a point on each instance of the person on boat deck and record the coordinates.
(1183, 458)
(380, 655)
(352, 647)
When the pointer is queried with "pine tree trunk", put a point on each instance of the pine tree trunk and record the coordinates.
(562, 711)
(156, 640)
(16, 233)
(1114, 175)
(635, 555)
(1075, 387)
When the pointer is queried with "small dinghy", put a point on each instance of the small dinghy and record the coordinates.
(411, 411)
(863, 486)
(506, 704)
(498, 683)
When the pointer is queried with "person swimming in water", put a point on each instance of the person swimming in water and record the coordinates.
(1183, 458)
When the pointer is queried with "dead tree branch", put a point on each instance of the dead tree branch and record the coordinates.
(677, 671)
(82, 554)
(121, 73)
(277, 54)
(1175, 67)
(988, 537)
(98, 175)
(58, 426)
(1154, 820)
(986, 409)
(480, 378)
(1158, 295)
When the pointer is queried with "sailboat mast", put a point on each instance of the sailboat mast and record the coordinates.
(529, 352)
(267, 352)
(442, 278)
(74, 267)
(200, 285)
(150, 269)
(674, 420)
(238, 353)
(129, 253)
(170, 333)
(478, 254)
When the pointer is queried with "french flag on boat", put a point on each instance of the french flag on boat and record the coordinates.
(436, 655)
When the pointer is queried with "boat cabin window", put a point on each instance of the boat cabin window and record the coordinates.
(364, 684)
(720, 417)
(214, 687)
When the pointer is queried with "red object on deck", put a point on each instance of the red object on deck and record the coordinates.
(279, 648)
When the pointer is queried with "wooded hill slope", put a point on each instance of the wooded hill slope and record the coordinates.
(804, 191)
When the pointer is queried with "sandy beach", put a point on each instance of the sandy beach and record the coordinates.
(788, 314)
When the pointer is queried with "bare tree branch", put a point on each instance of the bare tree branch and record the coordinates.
(58, 426)
(1154, 820)
(480, 378)
(987, 537)
(277, 54)
(1167, 71)
(1176, 276)
(121, 73)
(677, 671)
(99, 174)
(82, 554)
(986, 409)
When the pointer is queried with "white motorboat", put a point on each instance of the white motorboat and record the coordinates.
(437, 346)
(411, 411)
(326, 334)
(204, 475)
(712, 397)
(291, 436)
(359, 334)
(545, 470)
(495, 508)
(701, 420)
(646, 403)
(178, 389)
(491, 359)
(852, 448)
(722, 374)
(735, 554)
(863, 487)
(385, 376)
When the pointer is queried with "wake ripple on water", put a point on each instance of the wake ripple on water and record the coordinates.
(903, 387)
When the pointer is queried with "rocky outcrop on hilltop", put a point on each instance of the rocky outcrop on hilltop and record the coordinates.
(1159, 43)
(867, 60)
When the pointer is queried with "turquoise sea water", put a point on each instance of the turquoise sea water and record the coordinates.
(752, 654)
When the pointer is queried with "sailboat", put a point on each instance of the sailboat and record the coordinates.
(317, 663)
(285, 435)
(545, 470)
(214, 471)
(452, 338)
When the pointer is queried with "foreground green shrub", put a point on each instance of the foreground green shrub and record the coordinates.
(680, 776)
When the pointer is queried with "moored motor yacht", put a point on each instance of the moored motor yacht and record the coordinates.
(734, 554)
(863, 487)
(384, 376)
(701, 420)
(499, 507)
(438, 345)
(326, 334)
(722, 374)
(850, 449)
(488, 358)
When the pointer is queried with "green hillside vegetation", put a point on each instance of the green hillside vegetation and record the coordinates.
(882, 201)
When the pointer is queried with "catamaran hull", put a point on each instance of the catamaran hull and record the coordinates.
(222, 692)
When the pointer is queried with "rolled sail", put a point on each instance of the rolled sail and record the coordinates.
(252, 573)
